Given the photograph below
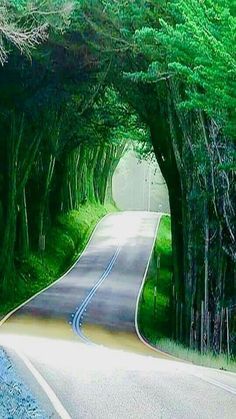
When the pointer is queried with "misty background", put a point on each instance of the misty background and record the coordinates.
(139, 185)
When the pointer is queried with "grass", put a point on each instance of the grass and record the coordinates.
(64, 244)
(154, 321)
(154, 316)
(191, 355)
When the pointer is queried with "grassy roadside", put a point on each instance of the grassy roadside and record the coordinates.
(207, 360)
(65, 242)
(154, 313)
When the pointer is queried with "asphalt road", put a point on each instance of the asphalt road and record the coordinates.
(80, 337)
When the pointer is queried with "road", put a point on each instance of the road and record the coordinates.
(79, 339)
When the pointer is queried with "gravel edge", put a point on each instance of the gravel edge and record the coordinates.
(16, 399)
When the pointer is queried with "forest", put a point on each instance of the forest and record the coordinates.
(80, 80)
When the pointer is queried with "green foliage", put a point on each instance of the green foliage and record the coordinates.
(81, 127)
(25, 24)
(186, 41)
(163, 245)
(154, 322)
(207, 360)
(102, 73)
(174, 63)
(66, 240)
(193, 44)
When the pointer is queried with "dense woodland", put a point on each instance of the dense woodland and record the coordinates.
(79, 80)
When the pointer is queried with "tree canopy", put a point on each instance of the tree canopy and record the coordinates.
(79, 80)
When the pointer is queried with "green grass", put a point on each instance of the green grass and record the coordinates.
(154, 324)
(153, 321)
(190, 355)
(163, 246)
(64, 244)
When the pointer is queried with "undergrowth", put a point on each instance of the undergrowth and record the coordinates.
(154, 315)
(65, 242)
(154, 312)
(208, 359)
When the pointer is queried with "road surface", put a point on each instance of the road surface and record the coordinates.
(79, 343)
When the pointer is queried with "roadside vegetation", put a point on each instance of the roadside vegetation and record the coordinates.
(79, 80)
(66, 240)
(154, 316)
(208, 359)
(155, 304)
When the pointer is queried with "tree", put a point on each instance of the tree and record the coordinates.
(179, 71)
(57, 130)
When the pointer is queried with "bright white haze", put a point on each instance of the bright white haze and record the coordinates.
(139, 185)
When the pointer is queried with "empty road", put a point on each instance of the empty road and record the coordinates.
(77, 345)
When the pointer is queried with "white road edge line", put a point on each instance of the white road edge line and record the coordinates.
(61, 277)
(39, 378)
(57, 405)
(161, 214)
(225, 387)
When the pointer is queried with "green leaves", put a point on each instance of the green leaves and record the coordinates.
(25, 24)
(193, 42)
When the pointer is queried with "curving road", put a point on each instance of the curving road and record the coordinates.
(77, 345)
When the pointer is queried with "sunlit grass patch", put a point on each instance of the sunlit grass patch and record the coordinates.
(163, 245)
(154, 310)
(208, 359)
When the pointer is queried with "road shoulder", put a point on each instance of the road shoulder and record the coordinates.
(22, 395)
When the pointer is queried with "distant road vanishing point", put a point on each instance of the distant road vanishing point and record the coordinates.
(79, 341)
